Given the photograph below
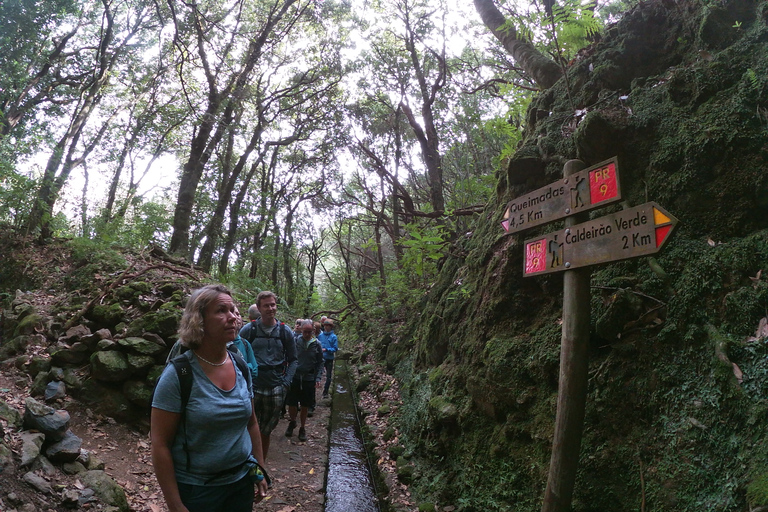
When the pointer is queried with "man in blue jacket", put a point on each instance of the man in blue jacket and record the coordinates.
(330, 344)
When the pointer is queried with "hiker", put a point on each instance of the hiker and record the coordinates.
(206, 447)
(306, 379)
(245, 349)
(330, 344)
(275, 351)
(297, 328)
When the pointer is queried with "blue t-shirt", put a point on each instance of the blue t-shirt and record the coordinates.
(216, 425)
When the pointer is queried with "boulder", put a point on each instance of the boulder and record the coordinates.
(156, 338)
(109, 401)
(10, 415)
(62, 355)
(154, 374)
(56, 373)
(29, 324)
(38, 364)
(73, 468)
(142, 345)
(75, 334)
(140, 364)
(106, 489)
(38, 384)
(6, 460)
(138, 392)
(43, 466)
(37, 482)
(19, 344)
(105, 345)
(164, 322)
(72, 379)
(110, 366)
(55, 390)
(66, 450)
(106, 315)
(31, 443)
(51, 422)
(93, 339)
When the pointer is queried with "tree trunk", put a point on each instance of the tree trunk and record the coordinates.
(219, 113)
(543, 70)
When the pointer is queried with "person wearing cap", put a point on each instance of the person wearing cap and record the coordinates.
(330, 344)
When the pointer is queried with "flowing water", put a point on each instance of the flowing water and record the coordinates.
(350, 487)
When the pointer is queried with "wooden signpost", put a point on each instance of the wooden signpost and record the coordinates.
(630, 233)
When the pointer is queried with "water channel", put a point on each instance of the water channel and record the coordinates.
(350, 487)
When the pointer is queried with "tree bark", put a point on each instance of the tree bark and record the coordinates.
(543, 70)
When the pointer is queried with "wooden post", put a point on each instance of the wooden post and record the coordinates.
(572, 392)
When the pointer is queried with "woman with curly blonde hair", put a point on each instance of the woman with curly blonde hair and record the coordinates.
(203, 462)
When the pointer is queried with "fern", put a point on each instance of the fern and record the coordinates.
(574, 24)
(752, 78)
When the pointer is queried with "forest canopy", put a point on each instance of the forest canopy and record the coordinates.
(291, 142)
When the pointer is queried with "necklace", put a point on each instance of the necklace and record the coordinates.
(210, 363)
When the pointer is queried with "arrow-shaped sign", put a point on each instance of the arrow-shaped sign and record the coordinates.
(630, 233)
(580, 192)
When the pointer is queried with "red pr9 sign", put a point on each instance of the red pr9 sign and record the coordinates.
(603, 183)
(535, 256)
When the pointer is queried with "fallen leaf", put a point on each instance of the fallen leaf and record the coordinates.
(738, 373)
(762, 328)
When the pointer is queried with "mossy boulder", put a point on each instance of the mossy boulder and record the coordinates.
(106, 315)
(38, 364)
(18, 345)
(142, 345)
(108, 400)
(163, 322)
(106, 489)
(405, 470)
(140, 364)
(110, 366)
(29, 324)
(138, 392)
(74, 355)
(10, 415)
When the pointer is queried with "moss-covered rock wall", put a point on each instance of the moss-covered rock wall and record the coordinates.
(678, 394)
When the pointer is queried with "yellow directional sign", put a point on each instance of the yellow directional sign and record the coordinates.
(580, 192)
(638, 231)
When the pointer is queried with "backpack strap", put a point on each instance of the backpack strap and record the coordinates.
(241, 364)
(184, 371)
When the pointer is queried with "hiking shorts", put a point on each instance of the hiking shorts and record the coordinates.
(268, 404)
(301, 392)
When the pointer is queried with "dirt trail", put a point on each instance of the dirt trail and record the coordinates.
(297, 469)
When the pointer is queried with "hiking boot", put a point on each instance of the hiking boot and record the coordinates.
(311, 412)
(325, 394)
(302, 434)
(289, 430)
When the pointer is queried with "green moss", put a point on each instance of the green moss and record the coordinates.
(757, 491)
(106, 315)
